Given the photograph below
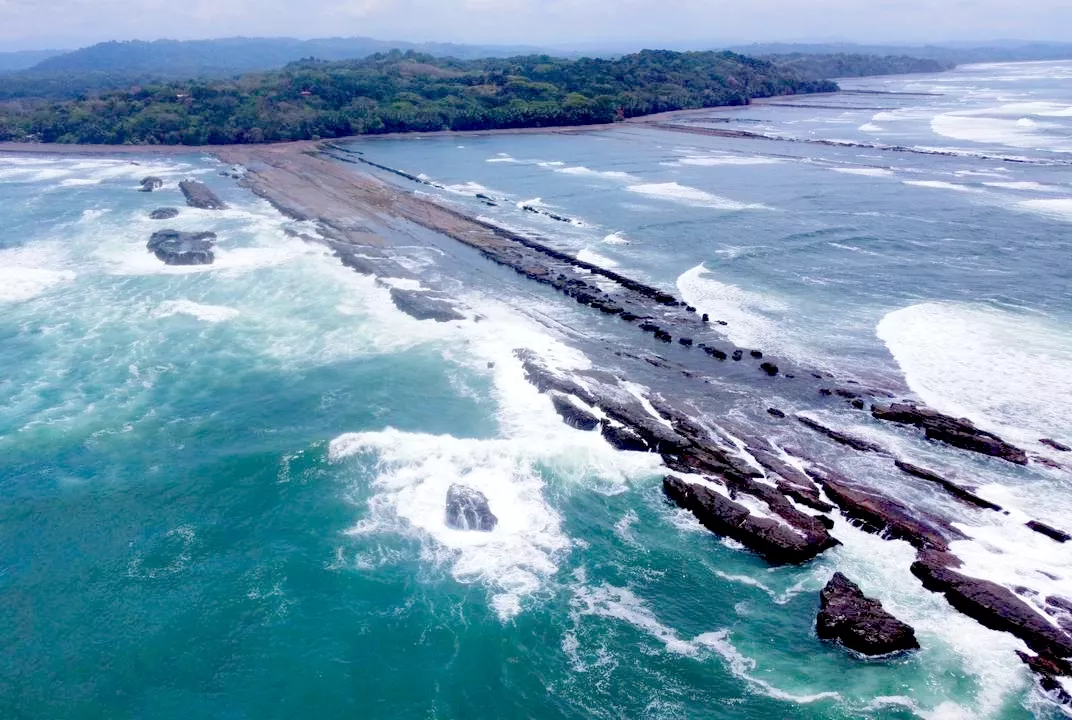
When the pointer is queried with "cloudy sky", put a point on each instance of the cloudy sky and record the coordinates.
(26, 24)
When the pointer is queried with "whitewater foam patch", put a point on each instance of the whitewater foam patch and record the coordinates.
(1007, 372)
(1057, 208)
(1026, 186)
(24, 283)
(942, 185)
(726, 159)
(582, 171)
(590, 256)
(752, 317)
(683, 194)
(206, 313)
(616, 238)
(865, 172)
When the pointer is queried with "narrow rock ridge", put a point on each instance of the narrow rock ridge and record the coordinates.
(198, 195)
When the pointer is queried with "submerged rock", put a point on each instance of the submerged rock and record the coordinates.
(151, 183)
(467, 509)
(859, 622)
(182, 248)
(424, 305)
(199, 196)
(165, 213)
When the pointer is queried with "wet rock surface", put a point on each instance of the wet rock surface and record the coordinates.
(573, 415)
(959, 433)
(151, 183)
(949, 486)
(198, 195)
(425, 305)
(164, 213)
(1059, 447)
(183, 248)
(860, 623)
(468, 509)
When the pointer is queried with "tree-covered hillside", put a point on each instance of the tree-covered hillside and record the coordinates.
(404, 92)
(843, 65)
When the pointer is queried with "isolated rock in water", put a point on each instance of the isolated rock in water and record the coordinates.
(199, 196)
(467, 509)
(425, 305)
(1060, 447)
(181, 248)
(164, 213)
(1049, 531)
(151, 183)
(573, 415)
(860, 623)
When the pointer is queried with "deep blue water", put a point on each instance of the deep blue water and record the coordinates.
(222, 488)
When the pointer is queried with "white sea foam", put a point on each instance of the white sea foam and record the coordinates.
(996, 126)
(615, 239)
(864, 171)
(22, 283)
(1025, 185)
(466, 188)
(1007, 372)
(206, 313)
(752, 317)
(590, 256)
(583, 171)
(686, 195)
(942, 185)
(871, 128)
(502, 158)
(1057, 208)
(726, 159)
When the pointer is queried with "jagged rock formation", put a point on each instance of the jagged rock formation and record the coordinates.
(150, 183)
(859, 622)
(182, 248)
(467, 509)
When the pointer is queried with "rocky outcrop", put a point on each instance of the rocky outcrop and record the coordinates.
(959, 433)
(949, 486)
(425, 305)
(854, 442)
(467, 509)
(182, 248)
(165, 213)
(860, 623)
(623, 438)
(199, 196)
(1059, 447)
(151, 183)
(1051, 532)
(993, 605)
(777, 542)
(572, 415)
(885, 516)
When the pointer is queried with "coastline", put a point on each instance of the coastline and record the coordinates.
(306, 182)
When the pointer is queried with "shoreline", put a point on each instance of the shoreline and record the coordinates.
(683, 358)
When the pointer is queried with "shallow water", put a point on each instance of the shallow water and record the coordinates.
(223, 486)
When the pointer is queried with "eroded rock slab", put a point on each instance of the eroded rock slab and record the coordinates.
(165, 213)
(573, 415)
(174, 247)
(425, 305)
(959, 433)
(199, 196)
(860, 623)
(468, 509)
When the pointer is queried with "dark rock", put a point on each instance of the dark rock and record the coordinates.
(151, 183)
(738, 354)
(1050, 532)
(857, 403)
(467, 509)
(573, 415)
(629, 317)
(164, 213)
(690, 308)
(1060, 447)
(885, 516)
(757, 354)
(853, 442)
(826, 392)
(183, 248)
(425, 305)
(687, 342)
(706, 318)
(993, 605)
(776, 412)
(775, 541)
(199, 196)
(959, 433)
(950, 487)
(722, 322)
(663, 336)
(715, 353)
(859, 622)
(624, 439)
(847, 394)
(769, 368)
(1047, 670)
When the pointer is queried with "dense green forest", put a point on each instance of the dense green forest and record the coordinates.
(843, 65)
(403, 92)
(947, 53)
